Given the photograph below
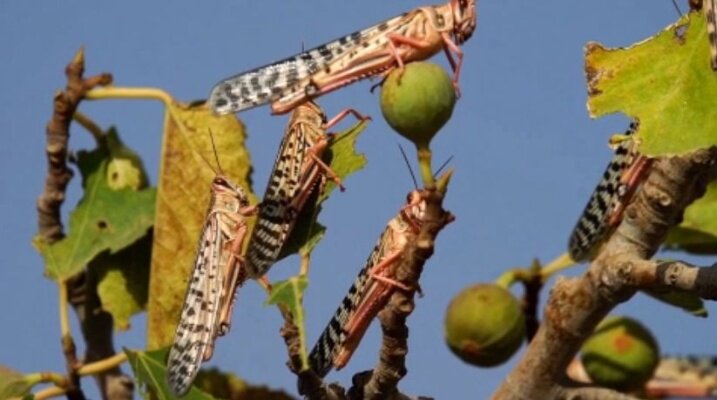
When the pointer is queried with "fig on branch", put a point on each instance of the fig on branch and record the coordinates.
(417, 101)
(622, 354)
(484, 325)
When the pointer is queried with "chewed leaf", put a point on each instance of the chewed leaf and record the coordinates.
(111, 214)
(665, 81)
(187, 168)
(290, 293)
(150, 373)
(698, 231)
(122, 280)
(344, 160)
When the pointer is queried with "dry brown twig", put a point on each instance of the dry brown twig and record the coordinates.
(96, 326)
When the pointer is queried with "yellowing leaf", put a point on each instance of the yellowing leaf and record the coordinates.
(225, 385)
(698, 231)
(13, 384)
(344, 160)
(104, 220)
(182, 201)
(122, 280)
(665, 81)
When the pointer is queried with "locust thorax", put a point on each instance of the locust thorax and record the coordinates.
(308, 113)
(464, 19)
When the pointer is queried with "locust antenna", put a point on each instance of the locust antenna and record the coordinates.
(216, 155)
(438, 171)
(408, 164)
(677, 8)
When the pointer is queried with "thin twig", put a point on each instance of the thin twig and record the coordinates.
(102, 365)
(53, 391)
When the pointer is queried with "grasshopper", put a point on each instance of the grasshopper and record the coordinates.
(298, 171)
(604, 210)
(370, 291)
(374, 51)
(217, 274)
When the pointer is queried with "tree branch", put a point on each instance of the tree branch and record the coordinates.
(577, 305)
(96, 326)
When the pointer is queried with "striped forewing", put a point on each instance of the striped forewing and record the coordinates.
(199, 321)
(333, 336)
(593, 222)
(275, 80)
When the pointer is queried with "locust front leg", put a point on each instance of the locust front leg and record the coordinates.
(451, 46)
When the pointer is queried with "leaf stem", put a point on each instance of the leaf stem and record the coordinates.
(560, 263)
(64, 314)
(118, 92)
(53, 391)
(89, 125)
(102, 365)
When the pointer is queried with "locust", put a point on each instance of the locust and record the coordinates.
(370, 291)
(604, 210)
(217, 274)
(374, 51)
(297, 173)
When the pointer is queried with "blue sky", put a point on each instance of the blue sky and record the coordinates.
(526, 154)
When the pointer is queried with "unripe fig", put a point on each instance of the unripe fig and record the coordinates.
(417, 101)
(484, 325)
(622, 354)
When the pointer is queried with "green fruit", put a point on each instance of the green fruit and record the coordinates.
(622, 354)
(484, 325)
(418, 101)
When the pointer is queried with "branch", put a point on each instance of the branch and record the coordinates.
(577, 305)
(391, 367)
(96, 326)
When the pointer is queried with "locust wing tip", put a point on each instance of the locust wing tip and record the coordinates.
(219, 100)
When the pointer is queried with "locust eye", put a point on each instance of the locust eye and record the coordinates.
(218, 180)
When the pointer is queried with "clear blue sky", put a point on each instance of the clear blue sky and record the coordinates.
(526, 157)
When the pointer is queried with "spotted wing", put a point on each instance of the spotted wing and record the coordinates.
(197, 327)
(276, 217)
(593, 223)
(334, 335)
(272, 81)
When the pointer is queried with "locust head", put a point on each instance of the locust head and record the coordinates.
(414, 211)
(464, 19)
(223, 187)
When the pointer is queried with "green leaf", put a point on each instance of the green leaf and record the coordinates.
(290, 293)
(150, 370)
(122, 280)
(665, 81)
(150, 373)
(105, 219)
(698, 231)
(344, 161)
(13, 384)
(182, 201)
(687, 301)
